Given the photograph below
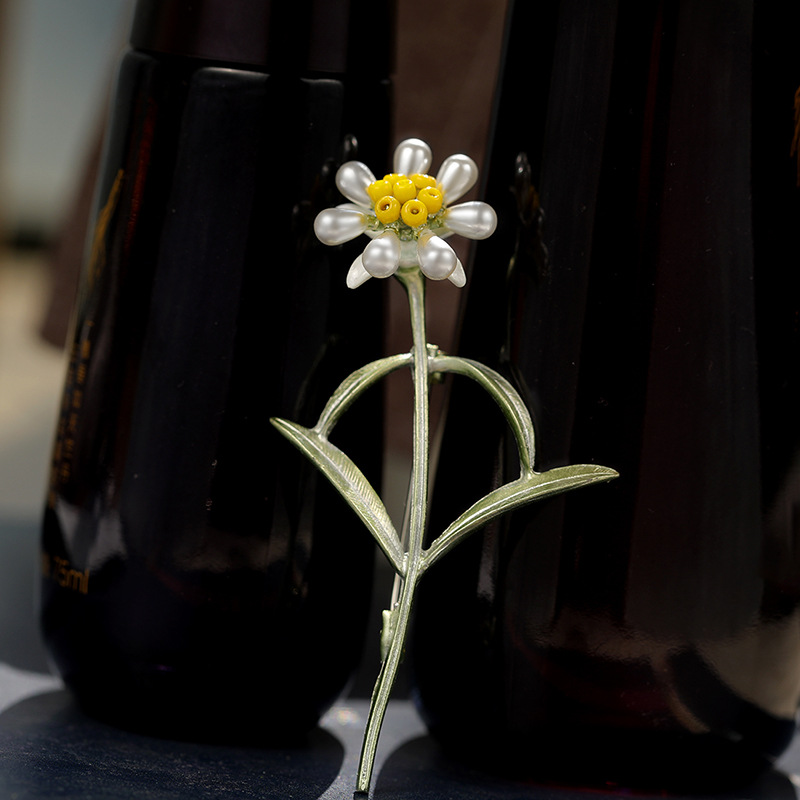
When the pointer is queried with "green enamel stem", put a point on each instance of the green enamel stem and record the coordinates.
(418, 490)
(385, 681)
(414, 284)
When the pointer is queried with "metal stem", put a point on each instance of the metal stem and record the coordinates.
(414, 284)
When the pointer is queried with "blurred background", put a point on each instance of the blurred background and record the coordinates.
(57, 63)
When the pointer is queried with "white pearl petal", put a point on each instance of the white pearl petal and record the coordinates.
(412, 155)
(337, 225)
(437, 259)
(357, 274)
(382, 255)
(352, 180)
(459, 277)
(475, 220)
(457, 176)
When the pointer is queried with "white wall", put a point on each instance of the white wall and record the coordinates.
(57, 59)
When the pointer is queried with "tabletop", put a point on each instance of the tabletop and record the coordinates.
(50, 749)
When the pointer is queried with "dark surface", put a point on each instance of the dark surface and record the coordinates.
(49, 748)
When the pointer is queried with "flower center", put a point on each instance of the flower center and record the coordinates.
(406, 203)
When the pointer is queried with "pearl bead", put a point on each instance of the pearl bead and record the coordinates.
(338, 225)
(356, 274)
(436, 258)
(457, 176)
(459, 277)
(382, 255)
(352, 180)
(475, 220)
(412, 155)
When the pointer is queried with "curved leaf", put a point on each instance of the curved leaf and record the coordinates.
(350, 482)
(354, 385)
(524, 490)
(504, 394)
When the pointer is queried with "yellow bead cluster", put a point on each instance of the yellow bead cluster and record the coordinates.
(411, 198)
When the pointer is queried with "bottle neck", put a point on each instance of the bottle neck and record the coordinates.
(298, 37)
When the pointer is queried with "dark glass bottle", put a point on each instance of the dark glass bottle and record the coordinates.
(640, 293)
(198, 578)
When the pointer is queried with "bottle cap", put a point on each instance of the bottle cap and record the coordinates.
(283, 36)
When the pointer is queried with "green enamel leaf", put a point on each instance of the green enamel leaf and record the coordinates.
(354, 385)
(504, 394)
(350, 482)
(522, 491)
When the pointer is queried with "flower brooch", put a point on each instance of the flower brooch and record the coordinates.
(407, 215)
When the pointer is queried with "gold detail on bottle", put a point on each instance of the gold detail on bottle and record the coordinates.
(80, 354)
(97, 255)
(67, 429)
(60, 571)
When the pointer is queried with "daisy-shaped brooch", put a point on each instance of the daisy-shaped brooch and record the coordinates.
(407, 214)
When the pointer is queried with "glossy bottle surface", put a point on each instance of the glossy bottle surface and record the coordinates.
(645, 632)
(199, 579)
